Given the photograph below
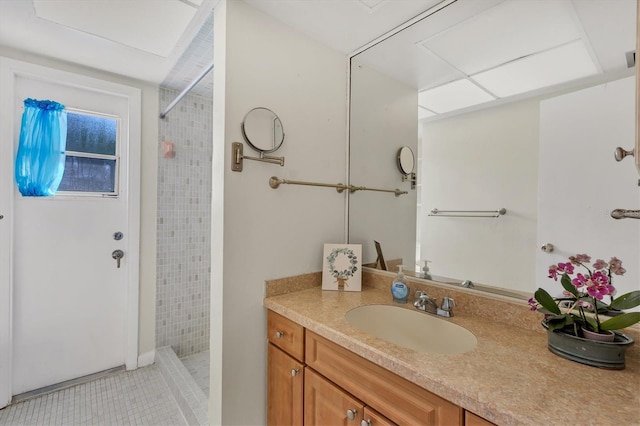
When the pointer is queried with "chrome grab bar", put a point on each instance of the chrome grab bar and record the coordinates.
(625, 214)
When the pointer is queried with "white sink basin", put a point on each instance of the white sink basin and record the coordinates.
(412, 329)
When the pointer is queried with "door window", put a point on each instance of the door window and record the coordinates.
(91, 165)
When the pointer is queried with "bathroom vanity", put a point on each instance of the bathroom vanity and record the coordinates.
(322, 370)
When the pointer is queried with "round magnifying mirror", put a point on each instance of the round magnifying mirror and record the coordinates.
(262, 129)
(405, 160)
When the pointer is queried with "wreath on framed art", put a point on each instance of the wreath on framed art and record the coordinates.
(342, 275)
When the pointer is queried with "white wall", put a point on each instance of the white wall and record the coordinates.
(259, 233)
(383, 118)
(148, 174)
(580, 182)
(483, 160)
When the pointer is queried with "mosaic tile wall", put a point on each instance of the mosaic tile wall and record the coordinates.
(184, 224)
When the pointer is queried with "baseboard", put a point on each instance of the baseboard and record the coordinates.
(146, 358)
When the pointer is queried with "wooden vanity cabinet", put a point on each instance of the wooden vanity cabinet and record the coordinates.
(313, 381)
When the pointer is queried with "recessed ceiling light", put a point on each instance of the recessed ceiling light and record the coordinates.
(555, 66)
(452, 96)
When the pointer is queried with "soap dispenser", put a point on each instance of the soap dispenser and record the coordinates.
(399, 288)
(425, 270)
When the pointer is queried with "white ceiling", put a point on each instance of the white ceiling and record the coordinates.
(344, 25)
(142, 39)
(151, 40)
(486, 51)
(169, 42)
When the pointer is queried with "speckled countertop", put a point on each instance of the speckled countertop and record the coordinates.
(510, 377)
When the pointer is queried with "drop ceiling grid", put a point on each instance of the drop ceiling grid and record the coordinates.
(511, 30)
(543, 30)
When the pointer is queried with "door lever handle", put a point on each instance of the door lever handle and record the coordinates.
(117, 255)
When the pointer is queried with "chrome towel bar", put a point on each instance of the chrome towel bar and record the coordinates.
(468, 213)
(275, 182)
(625, 214)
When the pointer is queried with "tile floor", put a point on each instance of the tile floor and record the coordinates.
(139, 397)
(198, 367)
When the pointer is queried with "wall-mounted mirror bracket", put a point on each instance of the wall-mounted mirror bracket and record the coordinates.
(411, 177)
(237, 157)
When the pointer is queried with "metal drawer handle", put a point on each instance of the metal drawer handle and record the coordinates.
(294, 372)
(279, 334)
(351, 414)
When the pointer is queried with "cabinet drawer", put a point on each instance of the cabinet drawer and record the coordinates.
(399, 400)
(286, 334)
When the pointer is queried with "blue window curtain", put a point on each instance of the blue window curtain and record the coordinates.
(41, 151)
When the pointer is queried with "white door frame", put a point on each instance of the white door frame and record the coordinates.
(10, 69)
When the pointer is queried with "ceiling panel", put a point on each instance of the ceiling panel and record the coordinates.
(505, 32)
(553, 67)
(148, 25)
(452, 96)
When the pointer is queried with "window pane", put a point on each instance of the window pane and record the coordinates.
(89, 133)
(88, 175)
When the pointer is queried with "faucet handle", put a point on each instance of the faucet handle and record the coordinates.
(448, 303)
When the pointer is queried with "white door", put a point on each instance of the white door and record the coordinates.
(71, 303)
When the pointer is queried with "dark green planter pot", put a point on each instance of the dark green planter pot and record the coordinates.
(590, 352)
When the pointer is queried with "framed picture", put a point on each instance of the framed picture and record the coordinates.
(342, 267)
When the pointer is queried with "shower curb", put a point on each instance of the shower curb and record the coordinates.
(190, 398)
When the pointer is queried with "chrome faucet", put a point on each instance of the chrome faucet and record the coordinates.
(446, 310)
(467, 284)
(425, 303)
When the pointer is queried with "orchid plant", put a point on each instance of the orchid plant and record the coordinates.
(587, 287)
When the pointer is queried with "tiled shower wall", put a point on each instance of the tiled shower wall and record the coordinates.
(184, 224)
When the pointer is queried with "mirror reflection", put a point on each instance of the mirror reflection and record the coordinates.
(508, 103)
(262, 130)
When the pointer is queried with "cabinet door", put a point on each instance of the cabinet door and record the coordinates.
(285, 389)
(471, 419)
(373, 418)
(326, 404)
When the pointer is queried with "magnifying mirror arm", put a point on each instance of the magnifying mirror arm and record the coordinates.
(237, 157)
(266, 159)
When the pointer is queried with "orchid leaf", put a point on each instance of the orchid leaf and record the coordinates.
(558, 322)
(621, 321)
(567, 285)
(592, 322)
(627, 301)
(546, 301)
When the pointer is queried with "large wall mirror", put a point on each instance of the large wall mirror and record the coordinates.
(515, 104)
